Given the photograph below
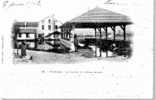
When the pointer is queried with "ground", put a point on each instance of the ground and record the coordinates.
(43, 57)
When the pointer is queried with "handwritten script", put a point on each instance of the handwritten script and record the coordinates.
(110, 2)
(11, 3)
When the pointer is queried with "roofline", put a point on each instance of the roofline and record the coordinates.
(68, 24)
(71, 22)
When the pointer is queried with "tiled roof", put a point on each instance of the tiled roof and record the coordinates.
(27, 24)
(99, 15)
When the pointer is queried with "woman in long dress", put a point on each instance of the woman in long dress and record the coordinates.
(76, 42)
(23, 49)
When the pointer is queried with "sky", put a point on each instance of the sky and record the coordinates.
(63, 10)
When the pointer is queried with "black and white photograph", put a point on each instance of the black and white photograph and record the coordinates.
(76, 49)
(96, 33)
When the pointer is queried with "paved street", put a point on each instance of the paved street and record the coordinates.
(42, 57)
(83, 55)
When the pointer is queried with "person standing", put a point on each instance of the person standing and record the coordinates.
(76, 43)
(23, 49)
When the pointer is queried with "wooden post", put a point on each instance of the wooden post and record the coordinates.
(123, 27)
(35, 40)
(70, 32)
(66, 35)
(95, 44)
(106, 33)
(100, 42)
(113, 28)
(65, 32)
(62, 32)
(124, 31)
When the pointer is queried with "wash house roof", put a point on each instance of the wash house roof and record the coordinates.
(98, 17)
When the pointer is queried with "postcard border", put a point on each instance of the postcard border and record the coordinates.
(154, 74)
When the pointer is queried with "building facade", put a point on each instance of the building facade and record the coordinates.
(34, 33)
(47, 26)
(25, 32)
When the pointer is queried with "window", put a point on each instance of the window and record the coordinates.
(49, 21)
(27, 35)
(20, 35)
(49, 27)
(42, 27)
(56, 27)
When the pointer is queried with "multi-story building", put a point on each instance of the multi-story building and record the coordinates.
(47, 26)
(25, 31)
(49, 30)
(33, 32)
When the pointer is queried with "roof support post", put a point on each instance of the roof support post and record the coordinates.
(67, 35)
(106, 33)
(65, 30)
(69, 32)
(64, 33)
(124, 30)
(100, 42)
(61, 32)
(113, 28)
(72, 27)
(123, 27)
(35, 34)
(95, 43)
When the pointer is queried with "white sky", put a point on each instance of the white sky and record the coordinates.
(65, 10)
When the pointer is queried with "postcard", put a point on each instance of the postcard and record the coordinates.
(76, 49)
